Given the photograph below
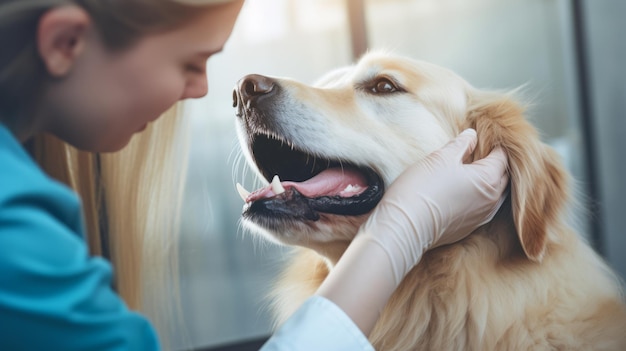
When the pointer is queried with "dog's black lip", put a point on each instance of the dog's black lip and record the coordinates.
(289, 205)
(293, 205)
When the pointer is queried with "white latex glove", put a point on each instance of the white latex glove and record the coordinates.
(437, 201)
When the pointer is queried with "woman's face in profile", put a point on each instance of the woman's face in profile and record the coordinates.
(107, 97)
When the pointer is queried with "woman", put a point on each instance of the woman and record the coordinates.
(93, 74)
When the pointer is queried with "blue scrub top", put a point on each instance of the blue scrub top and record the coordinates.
(55, 296)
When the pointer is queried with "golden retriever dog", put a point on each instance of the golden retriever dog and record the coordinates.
(524, 281)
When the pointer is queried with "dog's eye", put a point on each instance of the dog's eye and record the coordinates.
(383, 86)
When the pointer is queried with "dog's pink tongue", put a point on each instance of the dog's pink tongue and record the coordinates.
(331, 182)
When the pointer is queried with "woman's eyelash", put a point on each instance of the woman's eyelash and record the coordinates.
(195, 68)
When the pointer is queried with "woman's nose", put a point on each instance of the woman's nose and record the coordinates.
(196, 88)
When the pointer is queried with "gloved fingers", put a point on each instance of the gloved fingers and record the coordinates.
(467, 142)
(493, 168)
(496, 160)
(461, 147)
(472, 137)
(495, 209)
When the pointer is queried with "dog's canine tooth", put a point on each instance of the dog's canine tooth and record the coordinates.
(276, 186)
(242, 192)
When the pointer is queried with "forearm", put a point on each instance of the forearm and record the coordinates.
(361, 283)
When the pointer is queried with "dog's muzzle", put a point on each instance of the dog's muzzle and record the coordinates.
(303, 183)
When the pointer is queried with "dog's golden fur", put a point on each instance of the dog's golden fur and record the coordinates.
(524, 281)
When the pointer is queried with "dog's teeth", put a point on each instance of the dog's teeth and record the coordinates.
(276, 186)
(351, 188)
(242, 192)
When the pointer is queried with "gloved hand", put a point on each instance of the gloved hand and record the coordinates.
(437, 201)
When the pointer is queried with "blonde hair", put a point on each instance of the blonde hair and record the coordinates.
(132, 198)
(131, 201)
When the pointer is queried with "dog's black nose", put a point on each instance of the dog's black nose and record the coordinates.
(251, 89)
(254, 85)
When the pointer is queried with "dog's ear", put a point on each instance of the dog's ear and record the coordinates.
(538, 181)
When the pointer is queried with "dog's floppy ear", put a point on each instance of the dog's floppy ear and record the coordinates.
(538, 186)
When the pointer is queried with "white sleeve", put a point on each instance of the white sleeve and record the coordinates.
(318, 325)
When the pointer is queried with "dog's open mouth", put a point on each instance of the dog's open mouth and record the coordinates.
(303, 185)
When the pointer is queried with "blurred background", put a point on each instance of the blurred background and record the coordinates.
(569, 53)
